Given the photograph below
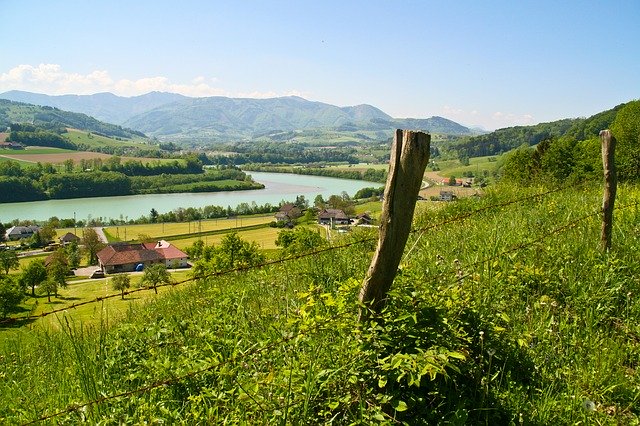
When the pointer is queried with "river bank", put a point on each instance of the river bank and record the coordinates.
(278, 187)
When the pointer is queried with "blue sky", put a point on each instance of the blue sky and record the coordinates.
(488, 63)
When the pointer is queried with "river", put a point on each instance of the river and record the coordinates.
(278, 187)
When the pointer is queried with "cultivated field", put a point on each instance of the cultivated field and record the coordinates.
(35, 154)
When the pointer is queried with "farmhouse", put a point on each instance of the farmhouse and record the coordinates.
(125, 257)
(69, 238)
(364, 219)
(288, 212)
(11, 145)
(447, 196)
(19, 232)
(332, 217)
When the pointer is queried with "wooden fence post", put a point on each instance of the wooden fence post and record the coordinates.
(610, 185)
(409, 157)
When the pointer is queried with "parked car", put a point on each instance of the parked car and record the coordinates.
(98, 273)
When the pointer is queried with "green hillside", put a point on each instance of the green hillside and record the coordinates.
(504, 140)
(504, 311)
(48, 117)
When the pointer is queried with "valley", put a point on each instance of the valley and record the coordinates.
(504, 308)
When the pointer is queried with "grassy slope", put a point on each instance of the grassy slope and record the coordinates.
(98, 141)
(516, 306)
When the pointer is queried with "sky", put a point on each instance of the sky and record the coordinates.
(486, 63)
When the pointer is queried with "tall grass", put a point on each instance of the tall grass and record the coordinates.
(510, 316)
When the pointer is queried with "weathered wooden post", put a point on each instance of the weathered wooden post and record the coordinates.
(409, 157)
(608, 143)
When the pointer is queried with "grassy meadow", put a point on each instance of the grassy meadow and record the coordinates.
(504, 311)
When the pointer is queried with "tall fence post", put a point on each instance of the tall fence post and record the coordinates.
(409, 157)
(608, 143)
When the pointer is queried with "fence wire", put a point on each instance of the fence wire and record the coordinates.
(319, 327)
(420, 230)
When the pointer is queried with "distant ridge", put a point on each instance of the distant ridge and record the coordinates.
(173, 116)
(103, 106)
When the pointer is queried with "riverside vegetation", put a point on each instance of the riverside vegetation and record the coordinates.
(504, 312)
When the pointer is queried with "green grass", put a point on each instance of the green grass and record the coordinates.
(34, 150)
(511, 315)
(167, 230)
(96, 141)
(476, 165)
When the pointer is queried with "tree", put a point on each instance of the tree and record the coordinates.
(33, 275)
(233, 252)
(155, 275)
(68, 165)
(299, 240)
(301, 202)
(49, 287)
(10, 295)
(73, 254)
(8, 260)
(153, 216)
(3, 232)
(92, 244)
(626, 130)
(319, 201)
(47, 234)
(58, 268)
(121, 282)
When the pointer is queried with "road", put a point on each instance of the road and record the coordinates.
(100, 232)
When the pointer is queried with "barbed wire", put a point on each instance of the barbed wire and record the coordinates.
(291, 336)
(421, 230)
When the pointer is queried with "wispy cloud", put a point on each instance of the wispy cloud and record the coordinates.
(488, 120)
(53, 80)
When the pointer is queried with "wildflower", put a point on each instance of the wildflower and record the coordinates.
(588, 405)
(491, 351)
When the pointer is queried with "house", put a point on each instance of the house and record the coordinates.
(125, 257)
(332, 217)
(447, 196)
(69, 238)
(288, 212)
(364, 219)
(19, 232)
(11, 145)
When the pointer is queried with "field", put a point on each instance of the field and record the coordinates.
(51, 155)
(95, 141)
(34, 155)
(265, 238)
(169, 230)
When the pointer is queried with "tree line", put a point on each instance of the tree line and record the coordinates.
(41, 182)
(566, 158)
(371, 175)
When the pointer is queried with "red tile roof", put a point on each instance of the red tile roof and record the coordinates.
(123, 253)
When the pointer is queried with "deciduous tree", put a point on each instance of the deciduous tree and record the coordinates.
(155, 275)
(92, 244)
(10, 295)
(8, 260)
(33, 275)
(121, 282)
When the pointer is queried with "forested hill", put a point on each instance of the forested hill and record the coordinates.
(50, 117)
(503, 140)
(219, 118)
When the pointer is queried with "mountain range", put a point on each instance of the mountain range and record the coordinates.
(177, 117)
